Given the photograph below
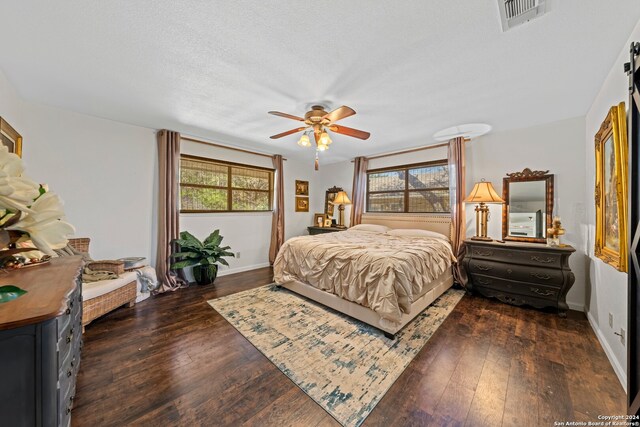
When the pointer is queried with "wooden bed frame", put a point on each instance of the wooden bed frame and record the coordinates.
(437, 223)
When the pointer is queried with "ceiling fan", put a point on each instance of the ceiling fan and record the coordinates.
(318, 122)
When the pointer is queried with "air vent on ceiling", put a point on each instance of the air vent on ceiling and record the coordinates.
(516, 12)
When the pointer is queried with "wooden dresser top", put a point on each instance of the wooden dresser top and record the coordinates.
(48, 287)
(520, 245)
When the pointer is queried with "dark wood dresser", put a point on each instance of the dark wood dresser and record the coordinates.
(40, 344)
(520, 273)
(321, 230)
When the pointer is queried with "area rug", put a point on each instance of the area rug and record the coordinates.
(346, 366)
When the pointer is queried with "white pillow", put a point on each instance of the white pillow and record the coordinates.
(410, 232)
(370, 227)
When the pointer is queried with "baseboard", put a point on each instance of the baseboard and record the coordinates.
(241, 269)
(575, 306)
(607, 350)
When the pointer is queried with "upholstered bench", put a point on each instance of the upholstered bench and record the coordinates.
(99, 298)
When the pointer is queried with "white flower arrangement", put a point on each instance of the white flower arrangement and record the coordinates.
(28, 211)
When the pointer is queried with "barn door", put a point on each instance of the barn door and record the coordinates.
(633, 328)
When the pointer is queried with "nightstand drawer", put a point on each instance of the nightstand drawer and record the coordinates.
(522, 273)
(538, 258)
(516, 287)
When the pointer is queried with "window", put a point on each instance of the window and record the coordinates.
(208, 185)
(422, 188)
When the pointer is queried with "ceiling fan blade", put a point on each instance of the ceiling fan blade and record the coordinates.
(350, 131)
(289, 132)
(286, 116)
(339, 113)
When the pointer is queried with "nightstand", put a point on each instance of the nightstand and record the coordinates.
(520, 273)
(321, 230)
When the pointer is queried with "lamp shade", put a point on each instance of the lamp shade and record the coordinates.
(483, 191)
(341, 199)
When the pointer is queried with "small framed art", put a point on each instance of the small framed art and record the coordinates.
(302, 204)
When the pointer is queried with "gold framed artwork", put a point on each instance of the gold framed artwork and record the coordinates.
(10, 138)
(327, 222)
(302, 204)
(611, 189)
(318, 219)
(302, 188)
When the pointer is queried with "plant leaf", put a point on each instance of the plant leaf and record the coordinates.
(224, 262)
(10, 292)
(185, 263)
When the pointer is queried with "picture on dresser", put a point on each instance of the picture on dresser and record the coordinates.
(611, 189)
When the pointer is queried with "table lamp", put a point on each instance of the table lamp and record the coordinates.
(482, 193)
(341, 200)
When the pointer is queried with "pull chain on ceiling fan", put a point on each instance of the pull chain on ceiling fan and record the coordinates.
(318, 122)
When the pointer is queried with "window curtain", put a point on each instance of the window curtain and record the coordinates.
(169, 215)
(359, 192)
(456, 196)
(277, 223)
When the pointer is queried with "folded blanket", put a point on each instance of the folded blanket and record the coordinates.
(89, 275)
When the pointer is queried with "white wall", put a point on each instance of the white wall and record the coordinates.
(608, 290)
(557, 147)
(250, 233)
(104, 171)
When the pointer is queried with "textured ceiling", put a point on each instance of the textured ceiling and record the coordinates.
(409, 68)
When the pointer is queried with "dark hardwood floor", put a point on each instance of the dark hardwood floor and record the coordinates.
(172, 360)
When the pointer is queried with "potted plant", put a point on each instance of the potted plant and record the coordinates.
(202, 256)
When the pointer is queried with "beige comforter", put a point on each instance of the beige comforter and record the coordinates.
(376, 270)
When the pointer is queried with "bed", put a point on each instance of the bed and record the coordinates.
(379, 278)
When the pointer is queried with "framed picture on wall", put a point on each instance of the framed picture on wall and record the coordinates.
(302, 188)
(10, 138)
(302, 204)
(611, 189)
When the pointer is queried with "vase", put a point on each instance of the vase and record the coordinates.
(205, 274)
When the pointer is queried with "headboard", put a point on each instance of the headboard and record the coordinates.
(434, 222)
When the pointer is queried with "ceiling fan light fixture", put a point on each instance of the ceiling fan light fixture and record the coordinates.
(304, 141)
(322, 147)
(325, 139)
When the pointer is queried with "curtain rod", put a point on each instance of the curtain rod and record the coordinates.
(226, 147)
(412, 150)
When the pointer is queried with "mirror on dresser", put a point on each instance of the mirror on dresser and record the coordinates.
(528, 207)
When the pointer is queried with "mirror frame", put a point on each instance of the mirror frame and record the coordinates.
(329, 196)
(525, 176)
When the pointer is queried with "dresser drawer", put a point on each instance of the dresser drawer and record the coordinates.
(541, 258)
(516, 287)
(522, 273)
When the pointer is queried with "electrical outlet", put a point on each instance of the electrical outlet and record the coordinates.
(611, 320)
(237, 254)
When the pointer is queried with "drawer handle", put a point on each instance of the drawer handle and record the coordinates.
(543, 292)
(69, 373)
(483, 267)
(68, 410)
(67, 311)
(70, 336)
(485, 281)
(542, 260)
(483, 253)
(540, 276)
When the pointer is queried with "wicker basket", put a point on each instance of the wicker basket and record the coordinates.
(106, 265)
(99, 306)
